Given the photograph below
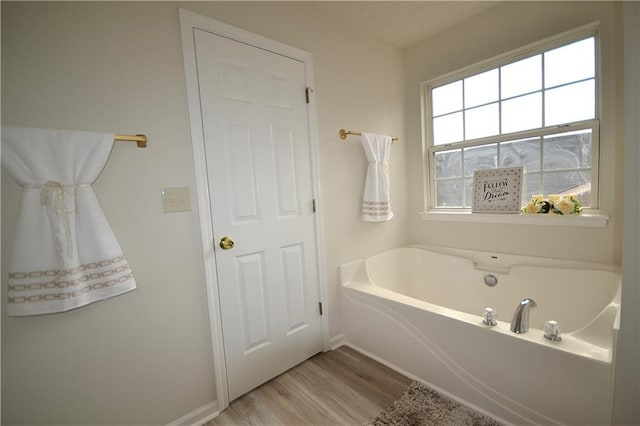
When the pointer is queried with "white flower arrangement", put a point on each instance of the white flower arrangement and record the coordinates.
(553, 204)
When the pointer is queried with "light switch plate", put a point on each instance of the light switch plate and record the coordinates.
(176, 199)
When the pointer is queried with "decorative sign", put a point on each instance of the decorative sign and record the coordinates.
(497, 190)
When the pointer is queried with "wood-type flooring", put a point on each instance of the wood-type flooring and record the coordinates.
(339, 387)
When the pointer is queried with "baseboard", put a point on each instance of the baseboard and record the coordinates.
(199, 416)
(384, 362)
(336, 341)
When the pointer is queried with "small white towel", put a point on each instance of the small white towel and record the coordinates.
(376, 203)
(64, 253)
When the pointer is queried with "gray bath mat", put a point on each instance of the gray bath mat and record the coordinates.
(421, 406)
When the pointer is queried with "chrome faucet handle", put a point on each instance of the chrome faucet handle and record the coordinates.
(489, 317)
(552, 330)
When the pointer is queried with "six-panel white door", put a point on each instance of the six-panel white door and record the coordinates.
(255, 127)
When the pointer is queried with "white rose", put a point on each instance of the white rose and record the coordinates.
(564, 205)
(532, 208)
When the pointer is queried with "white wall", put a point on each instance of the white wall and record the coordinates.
(146, 357)
(499, 30)
(626, 408)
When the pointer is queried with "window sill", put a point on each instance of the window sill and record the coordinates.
(593, 219)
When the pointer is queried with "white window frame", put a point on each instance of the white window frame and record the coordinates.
(429, 149)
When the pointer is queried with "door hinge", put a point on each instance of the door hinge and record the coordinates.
(320, 307)
(313, 205)
(307, 91)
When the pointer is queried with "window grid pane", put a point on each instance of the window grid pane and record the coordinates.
(447, 98)
(573, 102)
(448, 128)
(479, 158)
(448, 164)
(566, 151)
(524, 152)
(521, 77)
(482, 121)
(449, 193)
(569, 63)
(481, 89)
(522, 113)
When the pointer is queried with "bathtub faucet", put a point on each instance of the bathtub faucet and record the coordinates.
(520, 322)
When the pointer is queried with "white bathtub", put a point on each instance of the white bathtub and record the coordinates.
(419, 310)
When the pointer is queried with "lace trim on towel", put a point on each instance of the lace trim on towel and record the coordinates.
(91, 276)
(65, 272)
(375, 208)
(64, 296)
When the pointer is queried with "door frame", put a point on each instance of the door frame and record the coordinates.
(189, 21)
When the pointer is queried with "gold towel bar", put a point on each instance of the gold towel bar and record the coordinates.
(140, 139)
(344, 133)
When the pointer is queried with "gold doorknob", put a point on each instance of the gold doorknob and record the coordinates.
(226, 243)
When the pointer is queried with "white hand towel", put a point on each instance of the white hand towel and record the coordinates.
(64, 253)
(376, 203)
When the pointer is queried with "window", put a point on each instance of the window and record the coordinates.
(536, 108)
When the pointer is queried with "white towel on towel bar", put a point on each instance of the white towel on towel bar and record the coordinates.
(64, 253)
(376, 203)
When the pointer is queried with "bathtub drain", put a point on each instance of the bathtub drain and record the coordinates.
(490, 280)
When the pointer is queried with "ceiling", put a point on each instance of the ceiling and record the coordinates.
(403, 23)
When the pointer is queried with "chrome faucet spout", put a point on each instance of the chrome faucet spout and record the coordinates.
(520, 322)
